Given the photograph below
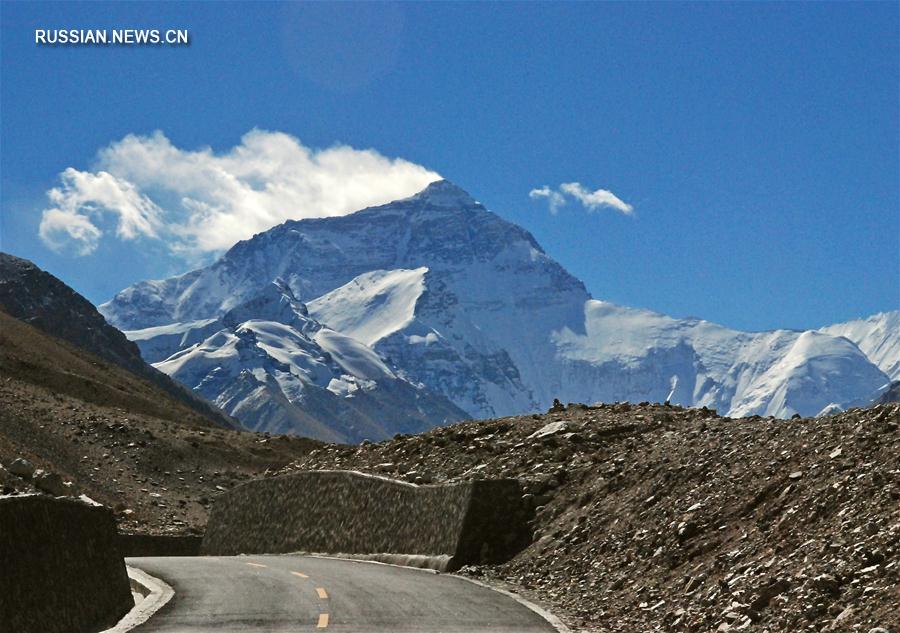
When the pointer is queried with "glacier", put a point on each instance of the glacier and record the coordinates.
(466, 309)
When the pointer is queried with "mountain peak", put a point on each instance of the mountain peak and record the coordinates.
(443, 193)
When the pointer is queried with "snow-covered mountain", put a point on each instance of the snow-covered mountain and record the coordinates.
(458, 300)
(878, 337)
(654, 357)
(276, 369)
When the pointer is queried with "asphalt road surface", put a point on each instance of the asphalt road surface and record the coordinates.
(290, 594)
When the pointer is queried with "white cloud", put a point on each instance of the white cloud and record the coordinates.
(60, 229)
(594, 199)
(591, 200)
(554, 198)
(202, 201)
(83, 196)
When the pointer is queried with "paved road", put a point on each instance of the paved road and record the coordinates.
(291, 594)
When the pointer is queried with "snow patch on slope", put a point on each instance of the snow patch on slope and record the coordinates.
(352, 356)
(167, 330)
(373, 305)
(159, 342)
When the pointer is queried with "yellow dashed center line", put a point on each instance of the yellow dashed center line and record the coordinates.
(320, 591)
(256, 565)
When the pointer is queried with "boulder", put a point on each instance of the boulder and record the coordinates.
(553, 428)
(21, 467)
(51, 483)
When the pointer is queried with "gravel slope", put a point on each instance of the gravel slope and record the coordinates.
(656, 518)
(118, 438)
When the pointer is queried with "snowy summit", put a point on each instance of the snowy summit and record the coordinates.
(437, 297)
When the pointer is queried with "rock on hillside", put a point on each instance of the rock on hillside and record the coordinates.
(658, 518)
(891, 394)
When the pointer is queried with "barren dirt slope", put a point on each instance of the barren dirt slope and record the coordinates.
(656, 518)
(121, 440)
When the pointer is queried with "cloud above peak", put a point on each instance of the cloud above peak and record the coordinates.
(201, 201)
(554, 198)
(83, 196)
(590, 200)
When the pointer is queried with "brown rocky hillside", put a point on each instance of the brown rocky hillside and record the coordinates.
(38, 298)
(118, 438)
(657, 518)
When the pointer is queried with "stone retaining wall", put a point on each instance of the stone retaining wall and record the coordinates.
(60, 566)
(351, 513)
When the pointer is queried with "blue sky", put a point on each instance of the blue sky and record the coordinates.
(756, 143)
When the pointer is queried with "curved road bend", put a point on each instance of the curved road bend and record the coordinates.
(292, 594)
